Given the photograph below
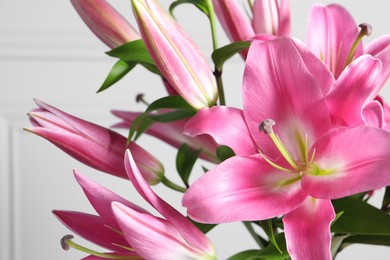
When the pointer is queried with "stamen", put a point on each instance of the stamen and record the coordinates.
(266, 127)
(276, 166)
(67, 243)
(140, 98)
(366, 30)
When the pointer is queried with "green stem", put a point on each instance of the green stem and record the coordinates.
(221, 91)
(212, 25)
(253, 233)
(172, 185)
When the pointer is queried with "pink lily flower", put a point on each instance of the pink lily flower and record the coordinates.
(334, 37)
(176, 55)
(269, 17)
(174, 237)
(91, 144)
(293, 168)
(105, 22)
(172, 134)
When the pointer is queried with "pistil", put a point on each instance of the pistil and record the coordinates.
(266, 127)
(365, 30)
(67, 243)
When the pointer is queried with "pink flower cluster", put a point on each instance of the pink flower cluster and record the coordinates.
(313, 128)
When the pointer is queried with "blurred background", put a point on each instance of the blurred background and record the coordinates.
(47, 52)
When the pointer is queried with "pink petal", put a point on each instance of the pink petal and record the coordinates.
(178, 58)
(380, 49)
(172, 133)
(152, 237)
(266, 17)
(331, 33)
(307, 230)
(226, 125)
(350, 160)
(184, 226)
(373, 114)
(107, 24)
(233, 20)
(101, 198)
(284, 18)
(242, 188)
(354, 89)
(278, 84)
(92, 228)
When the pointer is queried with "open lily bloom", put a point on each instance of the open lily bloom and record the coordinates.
(291, 160)
(131, 232)
(91, 144)
(334, 37)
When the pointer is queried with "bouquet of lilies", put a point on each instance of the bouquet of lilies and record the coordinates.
(298, 162)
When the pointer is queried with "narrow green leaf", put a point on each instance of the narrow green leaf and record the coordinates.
(269, 230)
(172, 102)
(245, 255)
(272, 253)
(185, 160)
(134, 51)
(140, 124)
(202, 5)
(336, 244)
(386, 199)
(117, 72)
(360, 218)
(224, 152)
(367, 239)
(221, 55)
(171, 116)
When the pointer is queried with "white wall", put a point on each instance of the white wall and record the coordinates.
(46, 52)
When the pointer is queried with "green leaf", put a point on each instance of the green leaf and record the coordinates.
(172, 102)
(202, 5)
(140, 124)
(272, 253)
(367, 239)
(171, 116)
(269, 230)
(224, 152)
(360, 218)
(245, 255)
(117, 72)
(134, 51)
(205, 228)
(221, 55)
(386, 199)
(185, 160)
(336, 244)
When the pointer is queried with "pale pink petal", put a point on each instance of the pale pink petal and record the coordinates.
(178, 58)
(183, 225)
(172, 134)
(101, 198)
(279, 85)
(152, 237)
(354, 89)
(373, 114)
(380, 48)
(266, 17)
(331, 34)
(307, 230)
(284, 18)
(242, 188)
(92, 228)
(233, 20)
(349, 161)
(226, 125)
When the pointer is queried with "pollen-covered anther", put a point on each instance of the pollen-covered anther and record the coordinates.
(366, 29)
(64, 242)
(266, 126)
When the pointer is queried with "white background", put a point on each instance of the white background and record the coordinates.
(46, 52)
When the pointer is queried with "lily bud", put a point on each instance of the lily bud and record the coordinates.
(91, 144)
(270, 17)
(105, 22)
(176, 55)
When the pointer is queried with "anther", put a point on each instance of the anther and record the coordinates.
(366, 29)
(266, 126)
(64, 242)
